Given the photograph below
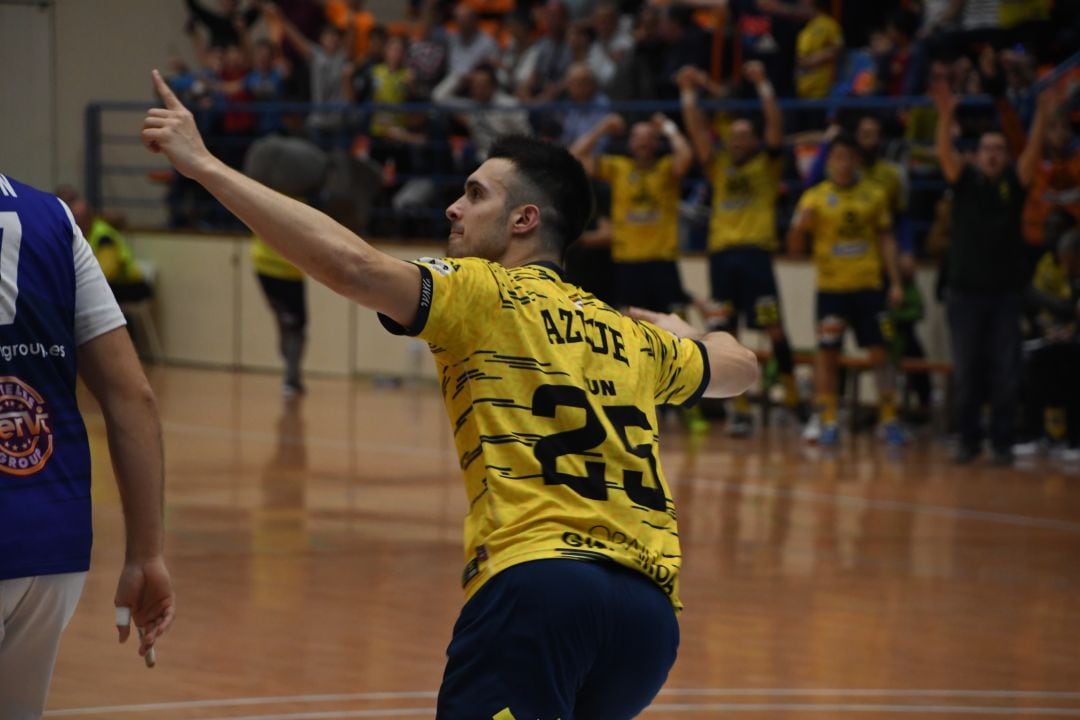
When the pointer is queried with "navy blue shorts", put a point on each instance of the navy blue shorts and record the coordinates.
(559, 640)
(863, 311)
(743, 281)
(653, 285)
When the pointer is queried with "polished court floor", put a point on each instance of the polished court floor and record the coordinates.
(315, 548)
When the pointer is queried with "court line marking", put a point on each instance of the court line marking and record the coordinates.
(851, 708)
(808, 495)
(706, 707)
(684, 692)
(899, 505)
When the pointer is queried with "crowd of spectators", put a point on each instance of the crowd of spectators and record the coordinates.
(465, 72)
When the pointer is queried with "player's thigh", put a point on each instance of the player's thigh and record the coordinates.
(523, 644)
(287, 298)
(869, 319)
(35, 612)
(761, 294)
(642, 639)
(832, 310)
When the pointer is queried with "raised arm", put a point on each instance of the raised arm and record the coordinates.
(952, 163)
(325, 250)
(583, 147)
(682, 157)
(1028, 163)
(754, 72)
(292, 33)
(109, 367)
(689, 80)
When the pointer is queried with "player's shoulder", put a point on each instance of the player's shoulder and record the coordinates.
(447, 267)
(34, 205)
(818, 192)
(871, 190)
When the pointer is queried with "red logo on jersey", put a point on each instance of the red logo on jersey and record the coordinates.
(26, 438)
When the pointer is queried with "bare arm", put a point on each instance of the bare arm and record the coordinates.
(801, 225)
(952, 163)
(754, 71)
(688, 79)
(682, 157)
(292, 33)
(111, 371)
(583, 147)
(887, 247)
(313, 242)
(733, 368)
(1028, 162)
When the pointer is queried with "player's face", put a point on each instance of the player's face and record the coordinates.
(742, 141)
(868, 135)
(992, 154)
(644, 142)
(479, 219)
(1058, 133)
(841, 165)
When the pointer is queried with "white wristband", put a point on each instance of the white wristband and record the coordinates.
(688, 96)
(669, 128)
(765, 90)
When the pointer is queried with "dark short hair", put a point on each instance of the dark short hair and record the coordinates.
(554, 180)
(844, 139)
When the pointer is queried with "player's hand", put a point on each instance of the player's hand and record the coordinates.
(944, 100)
(146, 588)
(754, 72)
(689, 77)
(896, 296)
(171, 130)
(666, 321)
(614, 124)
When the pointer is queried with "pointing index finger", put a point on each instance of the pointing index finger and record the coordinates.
(165, 92)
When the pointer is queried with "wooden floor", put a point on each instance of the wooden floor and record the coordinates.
(316, 553)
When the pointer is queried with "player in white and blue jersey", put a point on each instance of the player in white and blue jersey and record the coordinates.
(58, 318)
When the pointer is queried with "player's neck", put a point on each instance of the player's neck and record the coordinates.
(527, 255)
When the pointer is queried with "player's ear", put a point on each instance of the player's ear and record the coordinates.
(525, 219)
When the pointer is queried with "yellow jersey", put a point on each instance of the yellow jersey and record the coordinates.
(644, 209)
(846, 224)
(552, 395)
(744, 201)
(821, 33)
(887, 175)
(268, 262)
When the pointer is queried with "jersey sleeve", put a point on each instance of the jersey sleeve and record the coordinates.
(681, 366)
(882, 217)
(606, 167)
(96, 310)
(455, 298)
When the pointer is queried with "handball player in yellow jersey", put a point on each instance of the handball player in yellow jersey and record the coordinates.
(745, 176)
(571, 547)
(854, 251)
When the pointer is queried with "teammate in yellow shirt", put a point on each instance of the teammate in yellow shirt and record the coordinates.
(742, 231)
(817, 53)
(572, 555)
(283, 286)
(645, 193)
(853, 246)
